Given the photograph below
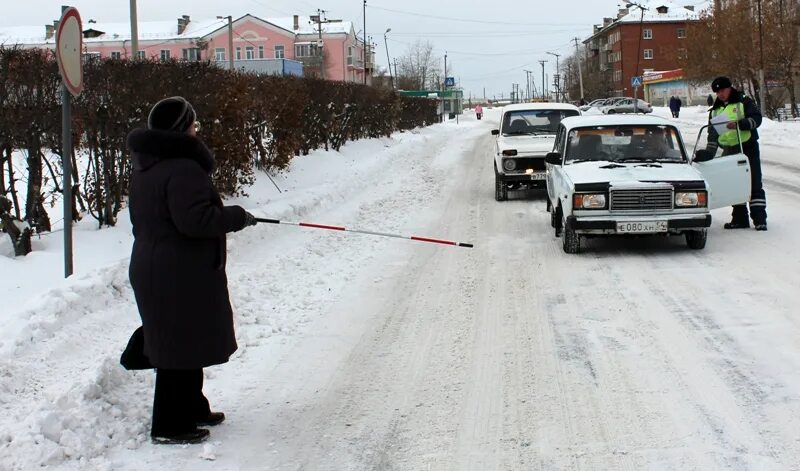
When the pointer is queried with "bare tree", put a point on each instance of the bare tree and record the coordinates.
(419, 68)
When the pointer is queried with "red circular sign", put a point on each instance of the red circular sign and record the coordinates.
(69, 48)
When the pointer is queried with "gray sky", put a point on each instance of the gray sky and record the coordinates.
(489, 47)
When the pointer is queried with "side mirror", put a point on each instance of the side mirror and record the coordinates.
(495, 132)
(553, 158)
(703, 155)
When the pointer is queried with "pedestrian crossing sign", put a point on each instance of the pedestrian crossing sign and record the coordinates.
(636, 81)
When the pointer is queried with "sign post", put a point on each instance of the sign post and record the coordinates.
(636, 82)
(69, 44)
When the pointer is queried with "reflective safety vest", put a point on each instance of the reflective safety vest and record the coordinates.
(735, 112)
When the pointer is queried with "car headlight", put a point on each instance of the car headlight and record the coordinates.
(509, 165)
(589, 201)
(691, 199)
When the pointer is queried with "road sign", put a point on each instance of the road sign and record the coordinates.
(450, 82)
(636, 81)
(69, 44)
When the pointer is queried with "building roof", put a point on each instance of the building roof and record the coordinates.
(675, 12)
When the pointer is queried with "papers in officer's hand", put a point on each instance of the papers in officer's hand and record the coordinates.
(720, 123)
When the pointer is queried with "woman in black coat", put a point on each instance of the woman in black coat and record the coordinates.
(177, 267)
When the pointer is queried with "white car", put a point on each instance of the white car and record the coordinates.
(630, 175)
(527, 132)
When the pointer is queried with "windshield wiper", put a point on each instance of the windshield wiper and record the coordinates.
(613, 165)
(517, 133)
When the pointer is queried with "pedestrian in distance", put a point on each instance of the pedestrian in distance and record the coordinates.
(678, 104)
(479, 112)
(744, 120)
(710, 100)
(177, 267)
(673, 106)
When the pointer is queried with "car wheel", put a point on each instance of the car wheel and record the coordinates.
(572, 241)
(610, 112)
(500, 189)
(696, 240)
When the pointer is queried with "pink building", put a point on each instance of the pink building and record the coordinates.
(289, 46)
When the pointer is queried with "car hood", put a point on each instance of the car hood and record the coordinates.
(540, 144)
(591, 172)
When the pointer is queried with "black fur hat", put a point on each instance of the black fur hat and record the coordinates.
(721, 82)
(171, 114)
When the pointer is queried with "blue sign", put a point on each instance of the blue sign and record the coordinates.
(636, 81)
(450, 82)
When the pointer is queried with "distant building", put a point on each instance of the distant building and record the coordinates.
(659, 86)
(284, 46)
(636, 42)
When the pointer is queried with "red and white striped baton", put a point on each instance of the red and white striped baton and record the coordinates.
(382, 234)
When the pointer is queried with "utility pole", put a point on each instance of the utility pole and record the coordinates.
(134, 30)
(642, 8)
(230, 40)
(366, 51)
(580, 68)
(557, 77)
(762, 85)
(528, 84)
(320, 52)
(543, 81)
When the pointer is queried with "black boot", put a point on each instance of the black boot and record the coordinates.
(761, 227)
(213, 418)
(736, 225)
(195, 436)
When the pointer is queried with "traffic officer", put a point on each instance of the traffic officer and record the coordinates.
(744, 114)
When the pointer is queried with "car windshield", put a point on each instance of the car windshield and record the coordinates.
(637, 143)
(531, 122)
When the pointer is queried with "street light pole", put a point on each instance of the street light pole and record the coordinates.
(580, 67)
(388, 61)
(543, 82)
(558, 76)
(641, 8)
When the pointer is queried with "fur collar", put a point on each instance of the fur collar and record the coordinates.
(150, 146)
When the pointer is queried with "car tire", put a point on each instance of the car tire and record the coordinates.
(500, 188)
(610, 112)
(572, 241)
(696, 240)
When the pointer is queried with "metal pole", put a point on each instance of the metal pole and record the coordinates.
(580, 68)
(230, 42)
(762, 82)
(543, 82)
(388, 61)
(134, 30)
(365, 42)
(66, 163)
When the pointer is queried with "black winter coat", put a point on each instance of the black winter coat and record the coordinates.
(751, 121)
(177, 265)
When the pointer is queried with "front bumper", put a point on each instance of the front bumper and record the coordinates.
(607, 224)
(523, 179)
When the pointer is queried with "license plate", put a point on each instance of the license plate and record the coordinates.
(538, 176)
(641, 227)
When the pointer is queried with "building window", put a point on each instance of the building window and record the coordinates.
(260, 52)
(617, 75)
(116, 55)
(219, 53)
(279, 52)
(238, 53)
(302, 50)
(191, 54)
(648, 53)
(647, 34)
(165, 54)
(249, 53)
(681, 33)
(140, 55)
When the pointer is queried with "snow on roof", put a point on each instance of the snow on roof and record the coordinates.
(310, 27)
(674, 12)
(540, 106)
(614, 120)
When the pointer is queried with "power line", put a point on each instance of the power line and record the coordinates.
(465, 20)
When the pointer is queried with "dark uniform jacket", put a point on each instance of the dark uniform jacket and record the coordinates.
(177, 267)
(750, 122)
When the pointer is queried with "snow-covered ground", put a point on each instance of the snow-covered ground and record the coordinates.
(359, 352)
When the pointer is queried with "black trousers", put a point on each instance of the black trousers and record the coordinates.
(758, 197)
(178, 402)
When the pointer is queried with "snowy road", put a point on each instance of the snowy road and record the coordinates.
(512, 355)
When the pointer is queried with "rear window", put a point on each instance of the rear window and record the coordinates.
(531, 122)
(625, 143)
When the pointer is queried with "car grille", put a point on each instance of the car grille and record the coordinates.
(524, 163)
(641, 199)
